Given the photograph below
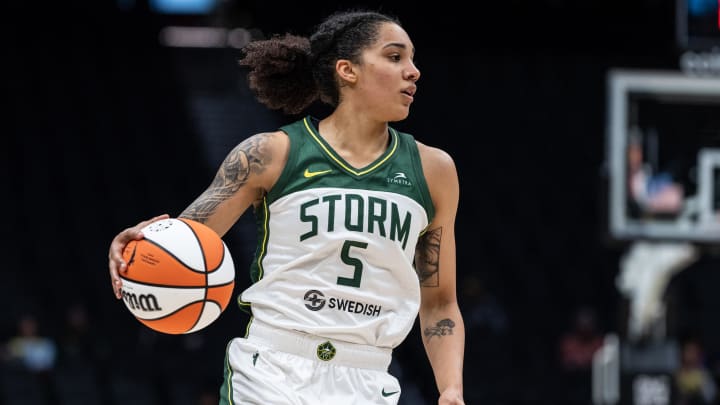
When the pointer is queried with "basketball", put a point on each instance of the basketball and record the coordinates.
(179, 278)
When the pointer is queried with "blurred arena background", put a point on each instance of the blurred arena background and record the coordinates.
(119, 110)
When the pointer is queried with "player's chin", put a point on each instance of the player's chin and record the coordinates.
(399, 114)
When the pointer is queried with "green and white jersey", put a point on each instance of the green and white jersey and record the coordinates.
(336, 243)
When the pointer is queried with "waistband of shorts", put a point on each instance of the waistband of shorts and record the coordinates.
(321, 349)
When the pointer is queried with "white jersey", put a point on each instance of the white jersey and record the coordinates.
(336, 245)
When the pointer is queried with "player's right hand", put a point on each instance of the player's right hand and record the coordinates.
(116, 262)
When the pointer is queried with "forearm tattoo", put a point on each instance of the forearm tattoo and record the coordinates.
(427, 258)
(442, 328)
(250, 156)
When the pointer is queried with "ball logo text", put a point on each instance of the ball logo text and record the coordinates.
(143, 302)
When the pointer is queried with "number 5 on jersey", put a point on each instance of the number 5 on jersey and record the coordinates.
(353, 262)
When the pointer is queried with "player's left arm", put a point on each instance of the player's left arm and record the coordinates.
(441, 323)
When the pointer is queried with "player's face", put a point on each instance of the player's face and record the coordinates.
(388, 74)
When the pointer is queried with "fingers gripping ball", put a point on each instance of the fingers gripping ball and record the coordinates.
(179, 278)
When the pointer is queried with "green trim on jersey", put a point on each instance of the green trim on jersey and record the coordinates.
(262, 221)
(226, 391)
(315, 154)
(262, 215)
(340, 161)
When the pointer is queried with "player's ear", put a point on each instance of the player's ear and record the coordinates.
(346, 70)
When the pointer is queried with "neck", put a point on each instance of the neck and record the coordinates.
(357, 139)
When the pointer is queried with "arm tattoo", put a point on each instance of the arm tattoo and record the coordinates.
(442, 328)
(250, 156)
(427, 258)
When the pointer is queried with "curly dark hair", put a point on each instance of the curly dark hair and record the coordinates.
(289, 72)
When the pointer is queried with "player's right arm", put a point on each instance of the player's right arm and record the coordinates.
(245, 176)
(243, 179)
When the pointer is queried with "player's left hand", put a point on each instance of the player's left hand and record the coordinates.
(451, 396)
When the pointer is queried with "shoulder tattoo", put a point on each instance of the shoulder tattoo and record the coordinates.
(427, 258)
(251, 156)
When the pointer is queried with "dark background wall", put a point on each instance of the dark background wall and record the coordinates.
(104, 127)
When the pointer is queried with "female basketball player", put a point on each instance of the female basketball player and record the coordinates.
(356, 224)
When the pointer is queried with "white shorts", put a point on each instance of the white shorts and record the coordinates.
(280, 367)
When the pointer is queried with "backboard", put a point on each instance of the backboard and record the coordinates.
(663, 156)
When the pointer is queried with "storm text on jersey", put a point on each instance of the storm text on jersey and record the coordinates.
(362, 214)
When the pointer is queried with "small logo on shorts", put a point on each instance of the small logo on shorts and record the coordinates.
(387, 394)
(326, 351)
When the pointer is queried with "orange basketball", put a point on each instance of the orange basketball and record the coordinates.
(179, 278)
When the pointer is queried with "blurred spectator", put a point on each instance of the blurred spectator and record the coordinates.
(78, 344)
(577, 348)
(653, 193)
(483, 312)
(694, 382)
(29, 350)
(31, 361)
(579, 344)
